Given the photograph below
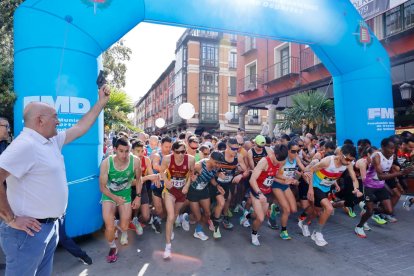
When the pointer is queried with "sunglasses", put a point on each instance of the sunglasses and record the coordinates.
(241, 144)
(194, 148)
(301, 146)
(348, 159)
(234, 149)
(293, 151)
(179, 151)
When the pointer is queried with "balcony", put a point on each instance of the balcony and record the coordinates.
(197, 33)
(288, 67)
(250, 83)
(308, 60)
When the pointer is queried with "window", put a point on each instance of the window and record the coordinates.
(234, 108)
(251, 76)
(209, 107)
(284, 61)
(232, 87)
(249, 43)
(209, 55)
(254, 113)
(393, 21)
(233, 37)
(233, 60)
(208, 82)
(409, 14)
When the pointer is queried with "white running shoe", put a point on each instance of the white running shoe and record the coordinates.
(200, 235)
(177, 222)
(318, 238)
(366, 227)
(255, 240)
(244, 220)
(407, 203)
(124, 238)
(172, 235)
(138, 227)
(359, 231)
(389, 218)
(185, 222)
(167, 252)
(304, 227)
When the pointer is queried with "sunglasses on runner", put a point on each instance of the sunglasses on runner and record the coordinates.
(179, 151)
(294, 151)
(241, 144)
(348, 159)
(301, 146)
(234, 149)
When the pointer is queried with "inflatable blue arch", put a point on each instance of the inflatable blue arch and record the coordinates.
(58, 44)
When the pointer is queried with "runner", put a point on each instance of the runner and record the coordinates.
(325, 174)
(176, 171)
(287, 175)
(261, 187)
(228, 168)
(156, 187)
(116, 175)
(198, 193)
(374, 184)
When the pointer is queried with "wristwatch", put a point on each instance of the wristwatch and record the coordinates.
(138, 195)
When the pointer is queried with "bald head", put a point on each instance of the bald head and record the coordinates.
(34, 110)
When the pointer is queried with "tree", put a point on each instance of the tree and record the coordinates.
(310, 109)
(7, 95)
(113, 62)
(117, 109)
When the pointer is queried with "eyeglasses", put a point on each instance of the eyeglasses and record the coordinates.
(234, 149)
(179, 151)
(293, 151)
(6, 126)
(348, 159)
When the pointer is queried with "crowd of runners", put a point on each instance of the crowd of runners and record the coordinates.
(202, 180)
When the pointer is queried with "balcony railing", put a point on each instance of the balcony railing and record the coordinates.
(308, 59)
(283, 68)
(250, 83)
(197, 33)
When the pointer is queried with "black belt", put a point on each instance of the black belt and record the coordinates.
(47, 220)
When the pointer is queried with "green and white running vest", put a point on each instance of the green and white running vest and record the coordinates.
(120, 180)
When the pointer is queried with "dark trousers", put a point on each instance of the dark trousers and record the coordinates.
(67, 242)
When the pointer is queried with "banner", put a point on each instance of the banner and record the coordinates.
(371, 8)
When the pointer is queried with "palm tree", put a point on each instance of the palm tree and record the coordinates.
(117, 110)
(311, 109)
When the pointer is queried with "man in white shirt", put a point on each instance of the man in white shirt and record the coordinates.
(37, 192)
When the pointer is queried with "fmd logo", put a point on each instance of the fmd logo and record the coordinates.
(383, 113)
(63, 104)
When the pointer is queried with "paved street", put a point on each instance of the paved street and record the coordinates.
(389, 250)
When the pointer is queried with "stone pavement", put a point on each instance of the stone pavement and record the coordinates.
(388, 250)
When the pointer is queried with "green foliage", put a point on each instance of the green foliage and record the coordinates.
(113, 62)
(7, 95)
(311, 109)
(117, 110)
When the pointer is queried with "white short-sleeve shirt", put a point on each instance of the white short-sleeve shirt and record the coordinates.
(37, 185)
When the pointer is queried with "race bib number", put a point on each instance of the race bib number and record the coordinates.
(225, 179)
(268, 182)
(289, 173)
(328, 182)
(178, 183)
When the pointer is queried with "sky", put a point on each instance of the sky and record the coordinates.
(153, 49)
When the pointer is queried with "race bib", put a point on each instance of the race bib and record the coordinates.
(328, 182)
(268, 182)
(289, 173)
(225, 179)
(178, 183)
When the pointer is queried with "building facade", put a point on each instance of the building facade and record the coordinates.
(270, 72)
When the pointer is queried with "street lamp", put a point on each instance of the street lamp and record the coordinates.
(405, 90)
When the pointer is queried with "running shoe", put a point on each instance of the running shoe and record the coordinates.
(366, 227)
(238, 208)
(124, 238)
(244, 220)
(350, 212)
(211, 225)
(272, 223)
(177, 222)
(359, 231)
(407, 203)
(255, 240)
(167, 252)
(156, 225)
(138, 227)
(284, 235)
(217, 234)
(304, 227)
(86, 260)
(185, 222)
(318, 238)
(227, 224)
(172, 235)
(200, 235)
(112, 256)
(378, 219)
(229, 213)
(389, 218)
